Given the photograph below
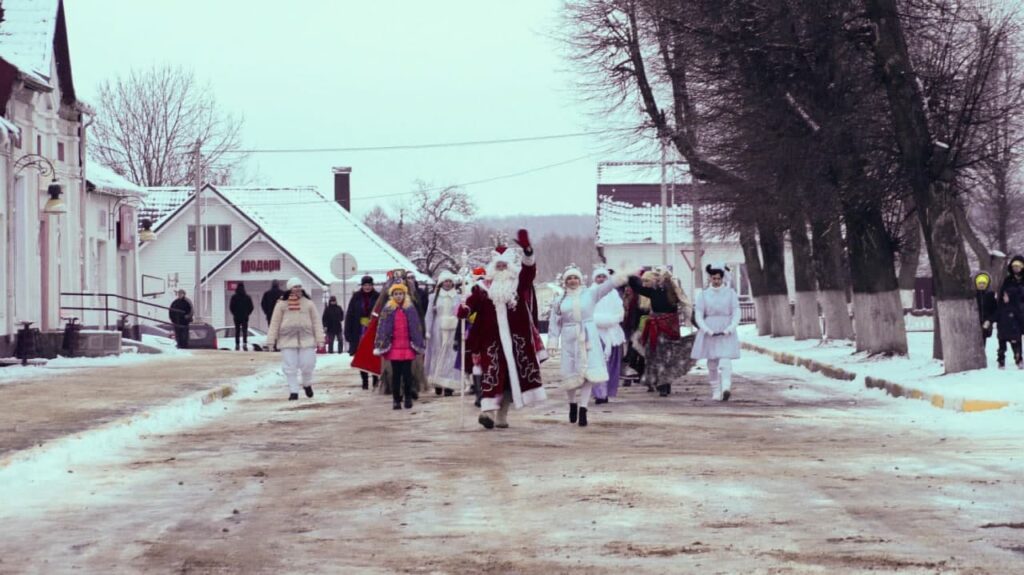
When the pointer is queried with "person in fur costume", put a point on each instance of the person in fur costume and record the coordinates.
(444, 341)
(667, 354)
(608, 317)
(502, 342)
(399, 339)
(717, 316)
(572, 329)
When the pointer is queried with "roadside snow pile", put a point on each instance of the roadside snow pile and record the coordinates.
(918, 370)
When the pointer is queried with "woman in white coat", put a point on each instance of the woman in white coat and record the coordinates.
(443, 342)
(608, 316)
(572, 328)
(717, 314)
(296, 329)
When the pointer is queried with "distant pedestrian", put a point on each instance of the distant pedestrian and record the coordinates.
(295, 329)
(241, 308)
(181, 316)
(332, 320)
(399, 340)
(360, 312)
(270, 299)
(1010, 314)
(717, 314)
(988, 307)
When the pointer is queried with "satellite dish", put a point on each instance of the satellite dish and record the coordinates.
(343, 265)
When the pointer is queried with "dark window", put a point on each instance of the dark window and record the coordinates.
(39, 144)
(60, 151)
(210, 239)
(191, 238)
(224, 238)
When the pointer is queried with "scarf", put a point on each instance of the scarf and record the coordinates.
(293, 303)
(665, 325)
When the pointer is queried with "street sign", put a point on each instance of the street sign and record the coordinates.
(343, 265)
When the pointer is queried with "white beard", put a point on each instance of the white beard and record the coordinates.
(502, 290)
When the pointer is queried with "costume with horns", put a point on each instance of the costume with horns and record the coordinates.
(717, 315)
(502, 341)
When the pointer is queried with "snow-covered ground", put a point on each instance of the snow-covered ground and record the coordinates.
(918, 370)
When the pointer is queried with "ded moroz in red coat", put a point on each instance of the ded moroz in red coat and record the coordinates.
(505, 340)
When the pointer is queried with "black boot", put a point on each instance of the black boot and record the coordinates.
(408, 402)
(668, 388)
(438, 391)
(601, 400)
(293, 397)
(366, 379)
(573, 412)
(309, 390)
(449, 392)
(663, 390)
(397, 404)
(583, 417)
(376, 382)
(726, 395)
(236, 347)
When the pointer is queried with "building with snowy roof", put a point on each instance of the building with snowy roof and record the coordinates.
(629, 223)
(73, 237)
(256, 234)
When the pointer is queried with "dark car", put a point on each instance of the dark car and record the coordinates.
(200, 335)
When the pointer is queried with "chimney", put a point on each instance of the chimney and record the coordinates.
(343, 187)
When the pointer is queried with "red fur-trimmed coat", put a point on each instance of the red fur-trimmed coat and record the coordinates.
(499, 344)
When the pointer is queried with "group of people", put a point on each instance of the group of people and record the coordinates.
(405, 340)
(1002, 312)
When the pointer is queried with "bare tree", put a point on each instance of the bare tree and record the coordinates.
(148, 122)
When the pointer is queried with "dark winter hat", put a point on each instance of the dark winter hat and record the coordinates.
(366, 280)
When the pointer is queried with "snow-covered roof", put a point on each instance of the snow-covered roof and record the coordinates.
(642, 173)
(26, 36)
(622, 223)
(107, 180)
(312, 227)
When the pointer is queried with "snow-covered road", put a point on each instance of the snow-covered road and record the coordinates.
(798, 474)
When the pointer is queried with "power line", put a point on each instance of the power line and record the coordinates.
(436, 188)
(425, 146)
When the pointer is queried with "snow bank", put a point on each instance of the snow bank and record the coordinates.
(918, 370)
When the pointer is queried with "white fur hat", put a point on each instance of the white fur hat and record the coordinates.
(294, 282)
(447, 276)
(600, 272)
(571, 271)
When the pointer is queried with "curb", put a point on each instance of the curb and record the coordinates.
(940, 401)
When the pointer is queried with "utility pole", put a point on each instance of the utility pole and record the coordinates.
(664, 206)
(197, 174)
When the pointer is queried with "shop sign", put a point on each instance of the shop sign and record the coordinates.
(255, 266)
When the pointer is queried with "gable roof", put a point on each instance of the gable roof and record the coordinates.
(32, 34)
(102, 179)
(308, 226)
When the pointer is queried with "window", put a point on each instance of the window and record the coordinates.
(39, 145)
(215, 238)
(60, 151)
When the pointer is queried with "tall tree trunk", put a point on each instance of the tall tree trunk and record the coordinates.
(910, 255)
(926, 161)
(831, 273)
(806, 320)
(755, 273)
(877, 311)
(773, 255)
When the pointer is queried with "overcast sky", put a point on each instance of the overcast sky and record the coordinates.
(344, 73)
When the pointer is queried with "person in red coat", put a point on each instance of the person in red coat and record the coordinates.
(501, 343)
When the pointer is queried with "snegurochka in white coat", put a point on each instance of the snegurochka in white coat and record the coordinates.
(571, 327)
(717, 314)
(442, 327)
(608, 316)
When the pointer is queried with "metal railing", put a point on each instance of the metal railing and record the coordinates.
(103, 304)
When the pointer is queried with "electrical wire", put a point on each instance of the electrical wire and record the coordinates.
(424, 146)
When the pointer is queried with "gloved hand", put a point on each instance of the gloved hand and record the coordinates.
(523, 240)
(986, 325)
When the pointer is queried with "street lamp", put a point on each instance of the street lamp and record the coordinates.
(55, 205)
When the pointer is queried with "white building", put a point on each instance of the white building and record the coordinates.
(256, 235)
(69, 244)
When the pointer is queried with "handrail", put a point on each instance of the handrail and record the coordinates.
(106, 309)
(115, 296)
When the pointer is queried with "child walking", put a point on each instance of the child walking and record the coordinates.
(399, 340)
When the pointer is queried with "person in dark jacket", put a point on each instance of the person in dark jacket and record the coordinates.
(333, 317)
(270, 298)
(360, 311)
(181, 317)
(420, 296)
(241, 308)
(1010, 315)
(987, 305)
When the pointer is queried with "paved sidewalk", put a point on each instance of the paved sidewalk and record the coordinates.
(55, 403)
(914, 377)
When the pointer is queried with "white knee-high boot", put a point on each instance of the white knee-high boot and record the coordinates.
(726, 370)
(713, 379)
(585, 392)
